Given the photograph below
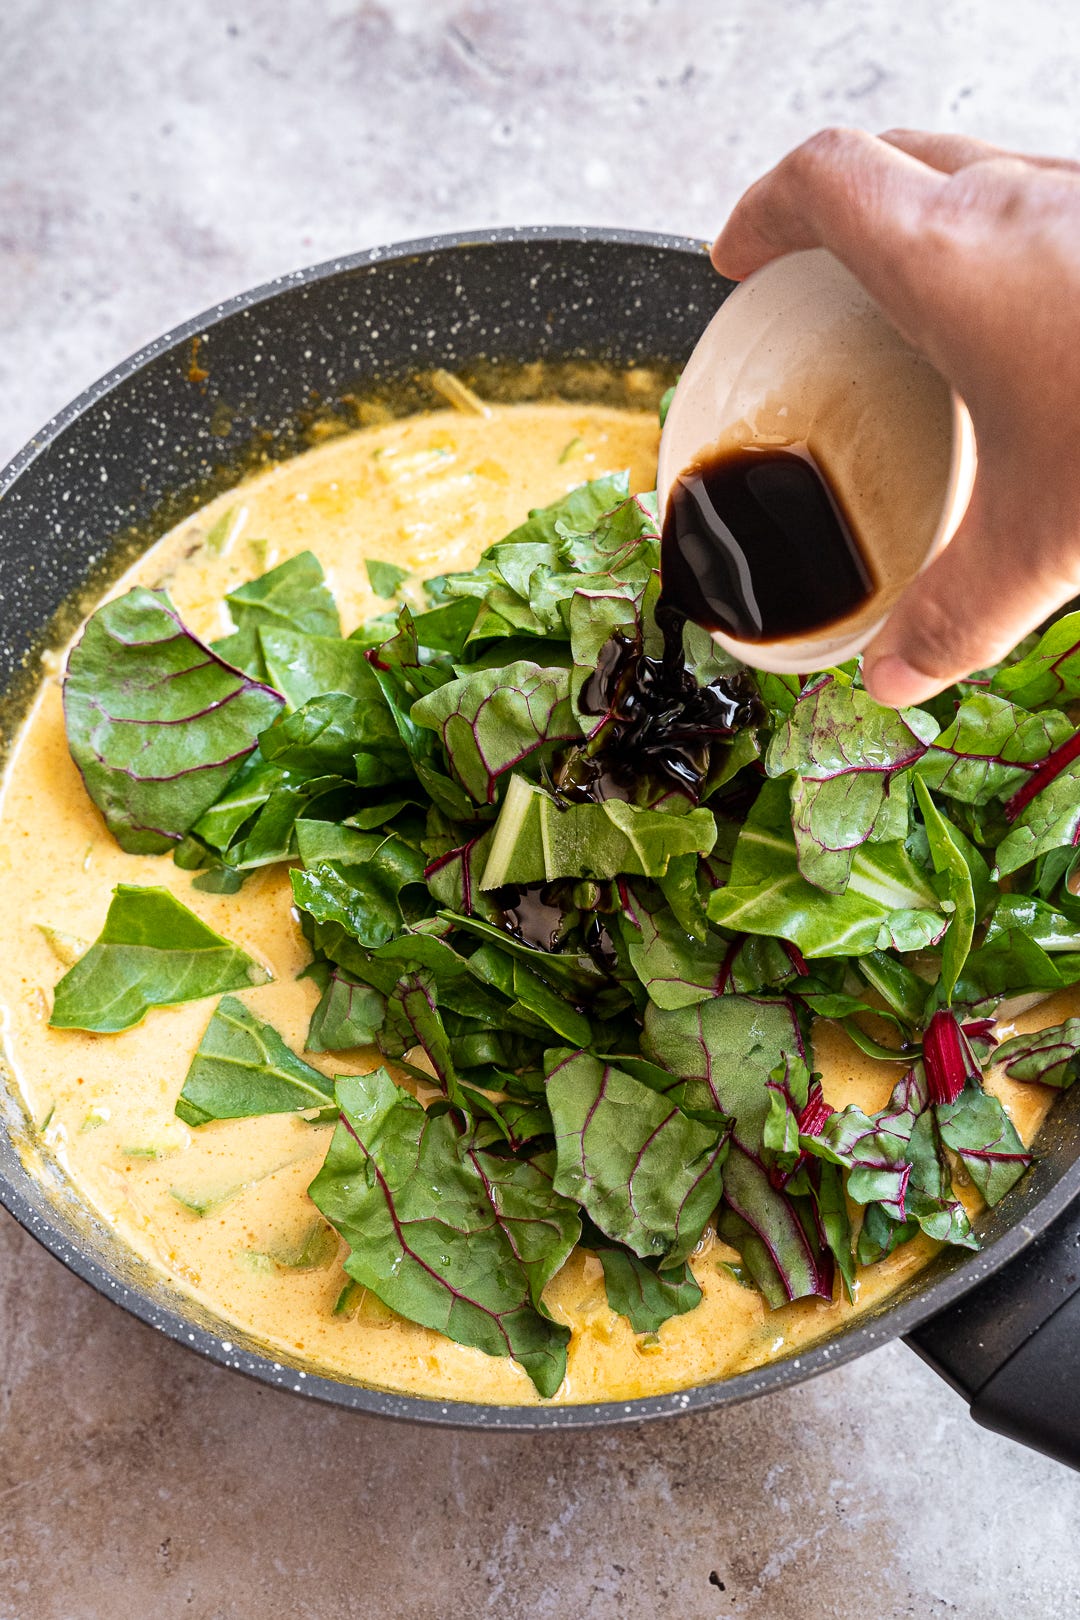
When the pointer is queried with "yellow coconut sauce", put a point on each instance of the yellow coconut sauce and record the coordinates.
(427, 493)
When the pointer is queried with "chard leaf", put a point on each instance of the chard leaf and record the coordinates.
(981, 1134)
(371, 893)
(1050, 821)
(292, 596)
(1051, 1056)
(1041, 922)
(152, 952)
(250, 790)
(951, 865)
(349, 1013)
(675, 969)
(337, 735)
(492, 721)
(1011, 962)
(579, 511)
(413, 1020)
(776, 1238)
(646, 1296)
(896, 1168)
(536, 842)
(449, 1236)
(305, 666)
(243, 1068)
(990, 749)
(156, 722)
(888, 903)
(385, 578)
(1049, 673)
(845, 750)
(719, 1054)
(647, 1175)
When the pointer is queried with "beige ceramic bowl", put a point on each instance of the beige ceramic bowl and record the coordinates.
(800, 354)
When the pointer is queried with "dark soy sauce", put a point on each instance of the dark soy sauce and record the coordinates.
(756, 544)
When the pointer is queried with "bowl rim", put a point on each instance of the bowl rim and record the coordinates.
(75, 1251)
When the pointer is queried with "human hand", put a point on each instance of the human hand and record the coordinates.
(974, 254)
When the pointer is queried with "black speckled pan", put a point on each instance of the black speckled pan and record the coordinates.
(182, 419)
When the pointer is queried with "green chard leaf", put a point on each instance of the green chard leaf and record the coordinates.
(646, 1296)
(675, 969)
(845, 751)
(156, 722)
(152, 952)
(1050, 821)
(492, 721)
(647, 1175)
(307, 666)
(337, 735)
(951, 864)
(536, 841)
(888, 902)
(350, 1013)
(721, 1054)
(447, 1235)
(243, 1068)
(292, 596)
(983, 1137)
(385, 578)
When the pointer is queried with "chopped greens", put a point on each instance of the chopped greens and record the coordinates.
(587, 888)
(152, 952)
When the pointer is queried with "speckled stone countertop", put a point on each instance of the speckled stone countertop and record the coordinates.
(154, 159)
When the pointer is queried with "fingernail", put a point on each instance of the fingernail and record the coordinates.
(892, 680)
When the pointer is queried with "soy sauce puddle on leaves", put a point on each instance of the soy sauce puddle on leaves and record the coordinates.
(658, 731)
(756, 544)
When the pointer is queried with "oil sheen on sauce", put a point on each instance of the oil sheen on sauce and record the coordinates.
(757, 544)
(427, 493)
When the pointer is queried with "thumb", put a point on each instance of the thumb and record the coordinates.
(991, 585)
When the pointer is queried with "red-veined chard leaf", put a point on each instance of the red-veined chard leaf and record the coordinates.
(888, 903)
(979, 1131)
(896, 1169)
(1050, 1056)
(157, 723)
(350, 1013)
(243, 1068)
(493, 721)
(646, 1296)
(152, 952)
(1049, 673)
(647, 1175)
(990, 748)
(844, 751)
(675, 969)
(721, 1054)
(536, 841)
(292, 596)
(447, 1235)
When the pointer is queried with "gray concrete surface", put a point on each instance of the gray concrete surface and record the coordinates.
(155, 157)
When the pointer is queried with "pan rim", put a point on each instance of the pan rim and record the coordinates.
(222, 1349)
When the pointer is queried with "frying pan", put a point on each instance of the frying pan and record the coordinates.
(181, 420)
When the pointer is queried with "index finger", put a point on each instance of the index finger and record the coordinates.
(845, 190)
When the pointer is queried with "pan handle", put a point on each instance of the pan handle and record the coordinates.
(1011, 1346)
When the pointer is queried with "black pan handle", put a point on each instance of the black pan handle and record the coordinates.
(1011, 1346)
